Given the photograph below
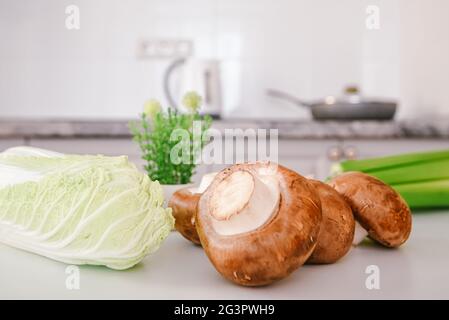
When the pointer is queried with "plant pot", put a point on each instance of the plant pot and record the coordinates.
(169, 189)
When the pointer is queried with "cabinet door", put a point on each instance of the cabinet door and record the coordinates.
(359, 149)
(308, 157)
(311, 158)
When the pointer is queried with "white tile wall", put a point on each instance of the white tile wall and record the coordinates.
(309, 48)
(425, 56)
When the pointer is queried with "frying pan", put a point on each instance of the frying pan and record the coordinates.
(349, 107)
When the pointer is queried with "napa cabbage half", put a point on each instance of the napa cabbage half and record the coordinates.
(80, 209)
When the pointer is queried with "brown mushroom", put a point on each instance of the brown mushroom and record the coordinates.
(258, 222)
(184, 203)
(379, 209)
(337, 227)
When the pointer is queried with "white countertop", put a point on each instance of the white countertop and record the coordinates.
(180, 270)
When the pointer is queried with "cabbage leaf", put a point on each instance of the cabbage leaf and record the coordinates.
(80, 209)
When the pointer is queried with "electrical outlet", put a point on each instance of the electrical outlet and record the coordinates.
(165, 48)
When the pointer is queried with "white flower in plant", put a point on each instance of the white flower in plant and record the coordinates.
(192, 101)
(151, 108)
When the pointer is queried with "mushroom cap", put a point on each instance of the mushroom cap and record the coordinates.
(184, 204)
(337, 227)
(273, 250)
(376, 206)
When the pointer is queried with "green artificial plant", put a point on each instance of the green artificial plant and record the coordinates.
(171, 141)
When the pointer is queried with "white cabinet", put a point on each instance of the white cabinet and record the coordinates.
(8, 143)
(315, 157)
(307, 156)
(108, 147)
(88, 146)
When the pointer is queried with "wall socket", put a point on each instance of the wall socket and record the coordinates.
(164, 48)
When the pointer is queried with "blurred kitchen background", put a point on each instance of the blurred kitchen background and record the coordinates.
(83, 85)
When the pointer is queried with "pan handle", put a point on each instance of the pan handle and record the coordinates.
(288, 97)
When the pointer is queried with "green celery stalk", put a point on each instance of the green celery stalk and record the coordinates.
(416, 172)
(374, 164)
(431, 194)
(422, 179)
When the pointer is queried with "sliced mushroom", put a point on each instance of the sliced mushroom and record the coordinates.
(184, 203)
(378, 208)
(258, 222)
(337, 226)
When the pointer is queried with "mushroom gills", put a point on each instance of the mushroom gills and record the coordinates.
(206, 180)
(360, 233)
(244, 202)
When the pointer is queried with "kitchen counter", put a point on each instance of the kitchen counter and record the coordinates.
(180, 270)
(299, 129)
